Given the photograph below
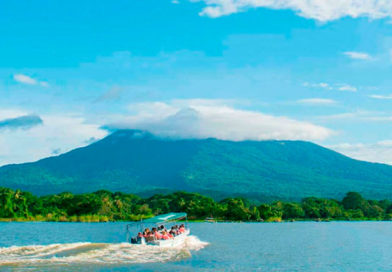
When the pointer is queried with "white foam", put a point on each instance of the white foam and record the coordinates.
(96, 253)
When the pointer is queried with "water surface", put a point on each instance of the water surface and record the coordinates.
(298, 246)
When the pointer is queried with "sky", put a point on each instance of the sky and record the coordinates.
(71, 72)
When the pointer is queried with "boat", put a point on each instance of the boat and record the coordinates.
(157, 221)
(210, 220)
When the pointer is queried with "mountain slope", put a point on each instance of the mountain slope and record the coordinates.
(135, 161)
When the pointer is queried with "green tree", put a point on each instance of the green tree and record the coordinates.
(311, 207)
(292, 210)
(354, 200)
(270, 211)
(354, 214)
(236, 209)
(374, 211)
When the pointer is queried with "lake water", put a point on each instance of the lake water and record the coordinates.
(298, 246)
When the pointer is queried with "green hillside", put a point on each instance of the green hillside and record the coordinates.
(138, 162)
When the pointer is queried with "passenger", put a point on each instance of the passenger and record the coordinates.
(149, 237)
(156, 234)
(146, 231)
(173, 231)
(139, 238)
(165, 236)
(182, 228)
(176, 230)
(162, 228)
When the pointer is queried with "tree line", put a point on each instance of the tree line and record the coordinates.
(103, 206)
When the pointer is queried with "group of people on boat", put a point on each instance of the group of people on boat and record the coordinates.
(161, 233)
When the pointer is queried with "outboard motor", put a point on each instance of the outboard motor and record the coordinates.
(138, 240)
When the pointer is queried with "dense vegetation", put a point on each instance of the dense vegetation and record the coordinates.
(103, 206)
(138, 162)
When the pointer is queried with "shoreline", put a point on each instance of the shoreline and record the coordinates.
(106, 206)
(22, 220)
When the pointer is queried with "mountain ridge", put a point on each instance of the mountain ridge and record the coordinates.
(137, 161)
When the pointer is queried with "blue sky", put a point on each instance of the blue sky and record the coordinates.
(231, 69)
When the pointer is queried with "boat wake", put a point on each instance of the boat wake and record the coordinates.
(96, 253)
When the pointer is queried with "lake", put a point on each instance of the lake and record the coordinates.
(297, 246)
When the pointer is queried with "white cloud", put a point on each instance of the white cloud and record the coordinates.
(327, 86)
(321, 85)
(358, 55)
(11, 113)
(57, 131)
(379, 118)
(320, 10)
(347, 88)
(374, 152)
(386, 143)
(339, 116)
(361, 115)
(24, 79)
(214, 118)
(382, 97)
(317, 101)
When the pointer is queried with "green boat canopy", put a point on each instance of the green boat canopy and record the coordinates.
(165, 217)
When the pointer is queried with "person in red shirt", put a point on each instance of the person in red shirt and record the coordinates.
(182, 229)
(156, 234)
(165, 235)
